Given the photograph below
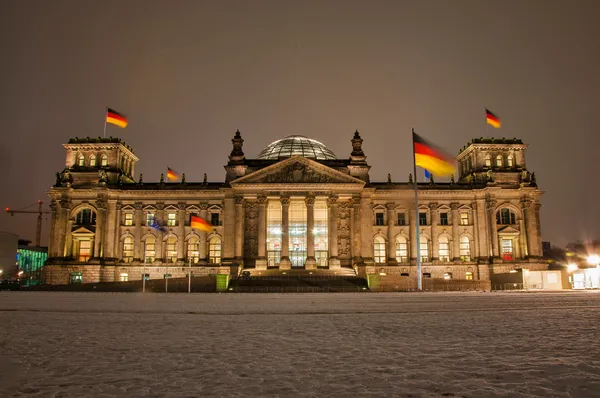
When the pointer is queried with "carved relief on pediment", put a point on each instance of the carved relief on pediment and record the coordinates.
(297, 173)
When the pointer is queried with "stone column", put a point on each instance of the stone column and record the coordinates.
(202, 244)
(137, 232)
(100, 228)
(356, 232)
(181, 213)
(366, 227)
(455, 238)
(412, 233)
(481, 229)
(113, 224)
(229, 229)
(491, 207)
(435, 246)
(160, 216)
(334, 261)
(391, 247)
(239, 228)
(523, 238)
(61, 230)
(311, 262)
(261, 261)
(531, 211)
(285, 262)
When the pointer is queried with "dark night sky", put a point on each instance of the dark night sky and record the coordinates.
(189, 73)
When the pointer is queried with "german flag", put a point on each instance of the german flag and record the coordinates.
(200, 223)
(116, 118)
(437, 161)
(492, 119)
(172, 175)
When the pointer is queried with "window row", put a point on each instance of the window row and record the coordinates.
(213, 246)
(500, 161)
(444, 219)
(92, 160)
(402, 249)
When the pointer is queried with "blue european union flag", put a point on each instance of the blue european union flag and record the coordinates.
(158, 226)
(427, 174)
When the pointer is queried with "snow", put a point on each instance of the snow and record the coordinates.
(305, 345)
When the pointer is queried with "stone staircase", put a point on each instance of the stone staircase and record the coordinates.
(298, 281)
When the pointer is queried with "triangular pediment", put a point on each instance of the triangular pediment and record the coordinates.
(508, 230)
(297, 170)
(83, 230)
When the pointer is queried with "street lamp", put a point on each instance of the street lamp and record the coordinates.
(572, 267)
(594, 259)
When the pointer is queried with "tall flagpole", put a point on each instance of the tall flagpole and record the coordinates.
(105, 113)
(419, 273)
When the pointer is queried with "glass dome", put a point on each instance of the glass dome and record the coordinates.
(297, 145)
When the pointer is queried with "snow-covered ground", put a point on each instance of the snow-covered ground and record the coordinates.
(325, 345)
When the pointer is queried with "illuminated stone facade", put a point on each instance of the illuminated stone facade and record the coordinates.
(294, 206)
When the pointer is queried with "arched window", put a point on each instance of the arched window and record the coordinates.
(444, 249)
(465, 248)
(499, 160)
(128, 249)
(424, 250)
(214, 250)
(92, 160)
(505, 217)
(150, 249)
(86, 217)
(488, 161)
(193, 250)
(103, 160)
(509, 161)
(401, 249)
(379, 249)
(81, 160)
(171, 252)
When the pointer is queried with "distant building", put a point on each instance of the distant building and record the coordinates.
(8, 253)
(295, 205)
(30, 260)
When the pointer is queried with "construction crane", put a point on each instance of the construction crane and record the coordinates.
(38, 231)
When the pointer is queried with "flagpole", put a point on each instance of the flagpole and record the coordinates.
(105, 113)
(419, 273)
(190, 276)
(144, 278)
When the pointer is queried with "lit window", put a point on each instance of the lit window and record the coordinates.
(488, 160)
(443, 218)
(401, 219)
(422, 218)
(499, 160)
(379, 219)
(507, 249)
(505, 217)
(401, 250)
(85, 250)
(128, 219)
(448, 275)
(274, 233)
(444, 249)
(171, 219)
(509, 161)
(124, 277)
(81, 161)
(171, 254)
(150, 217)
(465, 248)
(128, 249)
(214, 219)
(379, 250)
(469, 276)
(464, 218)
(150, 249)
(214, 250)
(103, 161)
(86, 217)
(92, 160)
(424, 249)
(193, 250)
